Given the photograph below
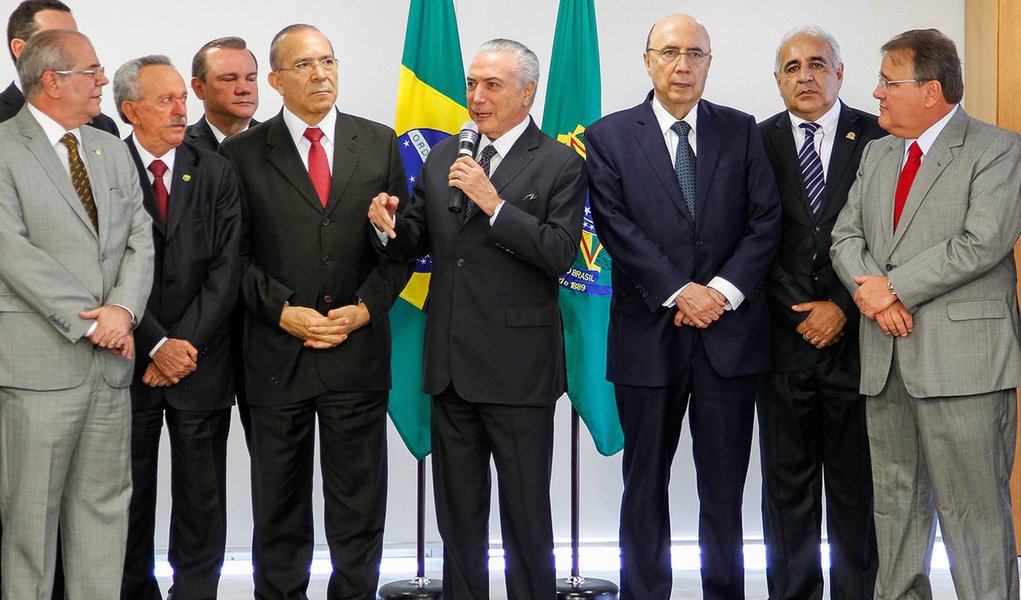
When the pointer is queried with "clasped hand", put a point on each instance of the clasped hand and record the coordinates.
(878, 303)
(113, 329)
(173, 361)
(824, 324)
(322, 332)
(698, 306)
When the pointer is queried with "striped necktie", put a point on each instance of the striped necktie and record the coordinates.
(811, 168)
(80, 178)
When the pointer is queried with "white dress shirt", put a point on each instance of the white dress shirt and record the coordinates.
(824, 136)
(296, 127)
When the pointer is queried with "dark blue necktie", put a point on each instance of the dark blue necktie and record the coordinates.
(811, 168)
(485, 158)
(684, 165)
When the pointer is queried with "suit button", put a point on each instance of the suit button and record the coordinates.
(889, 267)
(815, 277)
(328, 299)
(815, 231)
(326, 221)
(327, 260)
(460, 262)
(699, 243)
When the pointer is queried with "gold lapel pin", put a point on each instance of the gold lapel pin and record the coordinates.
(98, 152)
(850, 135)
(186, 177)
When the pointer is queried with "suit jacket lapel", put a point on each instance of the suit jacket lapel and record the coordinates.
(940, 155)
(185, 167)
(284, 156)
(889, 171)
(707, 138)
(785, 149)
(39, 146)
(847, 138)
(650, 140)
(148, 198)
(345, 158)
(517, 159)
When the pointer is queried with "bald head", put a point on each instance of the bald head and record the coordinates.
(677, 21)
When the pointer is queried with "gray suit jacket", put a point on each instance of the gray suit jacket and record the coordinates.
(950, 260)
(53, 264)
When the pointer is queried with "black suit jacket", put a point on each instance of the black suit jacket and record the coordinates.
(493, 324)
(295, 251)
(796, 277)
(11, 101)
(200, 134)
(195, 280)
(656, 246)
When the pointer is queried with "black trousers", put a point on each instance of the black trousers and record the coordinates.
(353, 458)
(813, 439)
(198, 492)
(721, 417)
(519, 439)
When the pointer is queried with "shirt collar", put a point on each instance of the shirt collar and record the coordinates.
(296, 127)
(928, 137)
(827, 122)
(667, 120)
(143, 154)
(53, 130)
(505, 142)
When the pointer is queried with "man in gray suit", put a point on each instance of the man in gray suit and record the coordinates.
(925, 243)
(76, 271)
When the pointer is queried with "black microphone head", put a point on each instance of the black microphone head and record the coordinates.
(468, 139)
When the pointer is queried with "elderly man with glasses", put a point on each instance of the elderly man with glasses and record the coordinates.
(317, 336)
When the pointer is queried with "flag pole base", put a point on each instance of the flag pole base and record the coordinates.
(580, 588)
(419, 588)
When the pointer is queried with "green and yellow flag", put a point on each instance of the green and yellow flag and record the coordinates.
(572, 104)
(430, 107)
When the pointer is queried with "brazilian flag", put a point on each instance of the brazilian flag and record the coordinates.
(573, 103)
(430, 107)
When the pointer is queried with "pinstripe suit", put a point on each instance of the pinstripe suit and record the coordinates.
(196, 280)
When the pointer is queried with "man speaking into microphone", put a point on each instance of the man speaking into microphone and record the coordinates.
(494, 350)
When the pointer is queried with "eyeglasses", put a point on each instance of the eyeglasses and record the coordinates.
(96, 72)
(328, 64)
(669, 56)
(887, 84)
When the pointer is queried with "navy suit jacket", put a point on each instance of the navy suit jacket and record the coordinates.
(643, 222)
(196, 277)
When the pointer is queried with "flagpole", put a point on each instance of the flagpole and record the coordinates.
(418, 587)
(577, 587)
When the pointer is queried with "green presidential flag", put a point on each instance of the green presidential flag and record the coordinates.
(573, 103)
(430, 107)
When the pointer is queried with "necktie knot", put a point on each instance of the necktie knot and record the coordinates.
(314, 134)
(914, 151)
(810, 127)
(70, 142)
(486, 157)
(158, 167)
(681, 128)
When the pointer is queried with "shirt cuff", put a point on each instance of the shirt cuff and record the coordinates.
(382, 236)
(91, 328)
(496, 213)
(670, 301)
(155, 348)
(732, 294)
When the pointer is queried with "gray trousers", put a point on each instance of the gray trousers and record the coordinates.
(949, 457)
(65, 459)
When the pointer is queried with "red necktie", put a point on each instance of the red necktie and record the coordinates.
(159, 189)
(907, 176)
(318, 167)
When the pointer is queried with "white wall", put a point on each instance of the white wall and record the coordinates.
(368, 38)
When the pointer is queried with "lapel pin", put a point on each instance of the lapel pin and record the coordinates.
(98, 152)
(850, 135)
(186, 177)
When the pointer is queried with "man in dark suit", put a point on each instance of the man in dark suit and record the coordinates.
(684, 200)
(224, 75)
(494, 351)
(317, 335)
(31, 17)
(184, 373)
(812, 418)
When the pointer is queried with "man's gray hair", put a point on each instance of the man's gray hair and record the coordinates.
(44, 51)
(814, 31)
(125, 81)
(527, 62)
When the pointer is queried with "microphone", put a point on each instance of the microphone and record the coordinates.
(468, 140)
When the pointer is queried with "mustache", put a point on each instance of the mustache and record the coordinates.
(174, 121)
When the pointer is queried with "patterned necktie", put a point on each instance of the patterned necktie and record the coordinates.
(907, 176)
(159, 189)
(318, 166)
(684, 165)
(811, 167)
(80, 178)
(484, 161)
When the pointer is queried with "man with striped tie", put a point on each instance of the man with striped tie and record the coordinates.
(812, 418)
